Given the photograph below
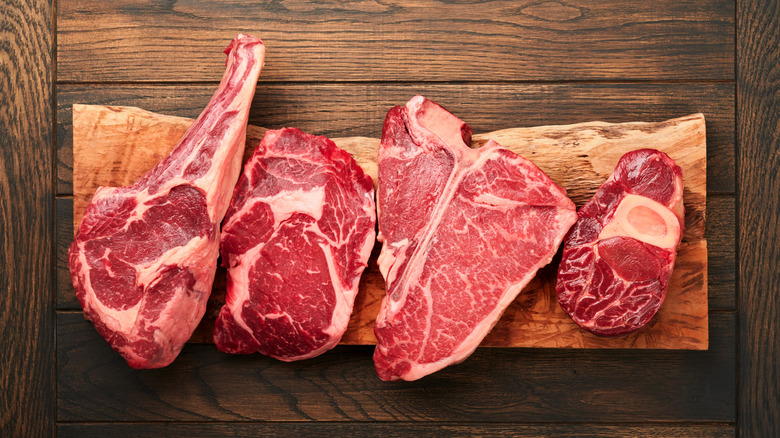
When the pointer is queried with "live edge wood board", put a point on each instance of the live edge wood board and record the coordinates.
(114, 146)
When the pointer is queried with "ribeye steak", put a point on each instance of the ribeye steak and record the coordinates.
(463, 231)
(618, 257)
(143, 260)
(296, 239)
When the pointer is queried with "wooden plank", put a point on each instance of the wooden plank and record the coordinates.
(493, 385)
(758, 202)
(721, 217)
(114, 146)
(430, 40)
(344, 110)
(721, 244)
(63, 236)
(400, 430)
(26, 189)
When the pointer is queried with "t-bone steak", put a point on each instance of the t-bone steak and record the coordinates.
(618, 257)
(296, 239)
(144, 257)
(463, 231)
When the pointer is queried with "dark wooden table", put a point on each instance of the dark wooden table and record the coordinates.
(334, 68)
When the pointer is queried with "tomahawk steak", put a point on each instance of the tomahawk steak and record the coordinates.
(618, 257)
(144, 257)
(462, 230)
(296, 239)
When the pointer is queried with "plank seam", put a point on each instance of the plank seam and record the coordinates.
(400, 423)
(53, 227)
(420, 82)
(737, 252)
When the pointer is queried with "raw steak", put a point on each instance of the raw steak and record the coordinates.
(144, 257)
(296, 239)
(463, 231)
(618, 257)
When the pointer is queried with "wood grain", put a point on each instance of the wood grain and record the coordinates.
(721, 249)
(397, 429)
(26, 196)
(758, 133)
(63, 236)
(493, 385)
(685, 51)
(114, 146)
(345, 110)
(430, 40)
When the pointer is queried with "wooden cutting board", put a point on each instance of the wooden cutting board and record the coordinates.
(114, 146)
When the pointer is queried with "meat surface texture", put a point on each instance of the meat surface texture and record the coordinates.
(463, 231)
(144, 257)
(618, 257)
(297, 237)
